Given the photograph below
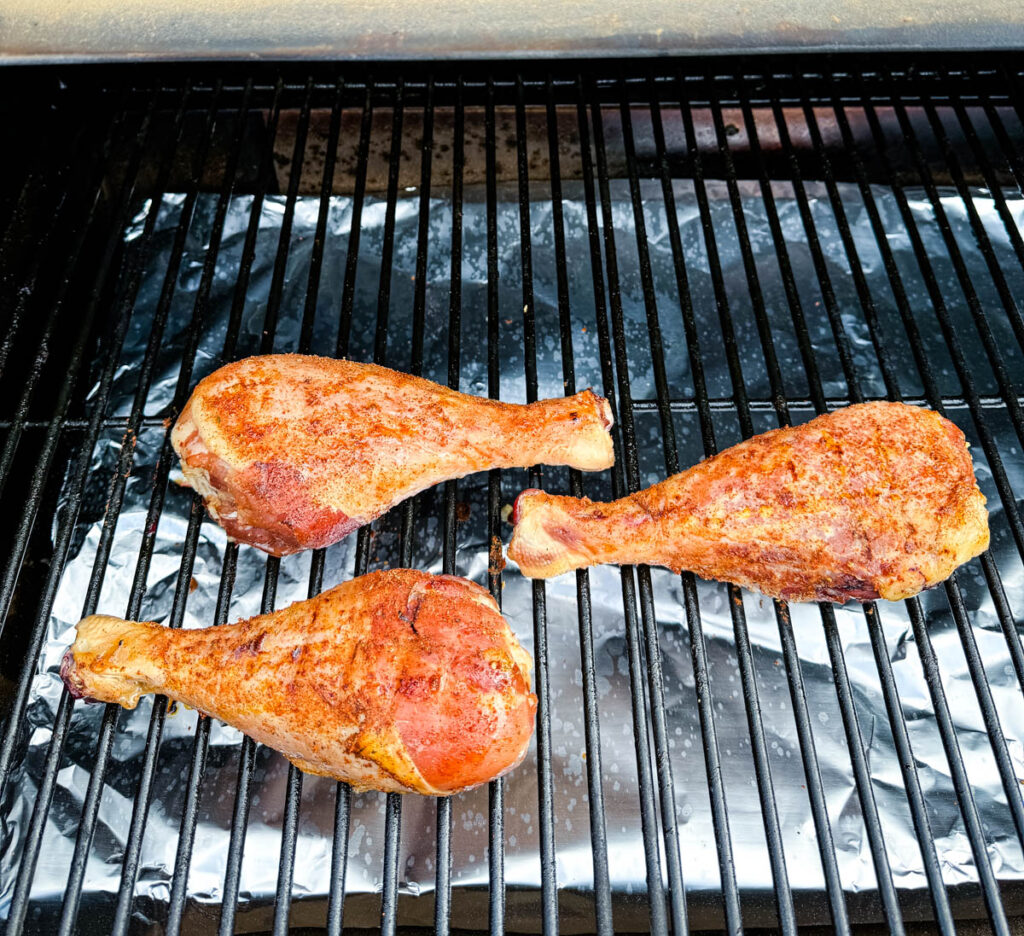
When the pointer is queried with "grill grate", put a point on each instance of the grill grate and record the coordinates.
(781, 136)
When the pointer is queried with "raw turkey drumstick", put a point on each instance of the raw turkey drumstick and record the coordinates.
(876, 500)
(294, 452)
(399, 681)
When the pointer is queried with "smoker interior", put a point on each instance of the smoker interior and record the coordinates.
(93, 154)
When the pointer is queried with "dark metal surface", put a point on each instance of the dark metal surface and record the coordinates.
(67, 309)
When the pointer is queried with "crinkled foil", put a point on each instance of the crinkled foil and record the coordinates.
(574, 866)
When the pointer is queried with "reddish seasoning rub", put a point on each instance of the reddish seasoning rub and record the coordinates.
(294, 452)
(877, 500)
(399, 681)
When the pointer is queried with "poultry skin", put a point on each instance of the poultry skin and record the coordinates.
(294, 452)
(877, 500)
(398, 681)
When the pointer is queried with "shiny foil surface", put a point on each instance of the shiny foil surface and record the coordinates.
(572, 832)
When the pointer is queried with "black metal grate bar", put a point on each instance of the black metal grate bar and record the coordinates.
(293, 792)
(61, 545)
(45, 458)
(772, 133)
(648, 805)
(197, 766)
(197, 769)
(892, 699)
(848, 712)
(343, 793)
(602, 883)
(663, 762)
(980, 681)
(683, 405)
(293, 795)
(247, 756)
(939, 896)
(545, 793)
(598, 834)
(19, 901)
(243, 790)
(773, 832)
(837, 904)
(443, 865)
(90, 809)
(1013, 154)
(496, 792)
(393, 804)
(134, 843)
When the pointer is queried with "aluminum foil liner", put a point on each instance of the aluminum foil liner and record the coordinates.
(572, 828)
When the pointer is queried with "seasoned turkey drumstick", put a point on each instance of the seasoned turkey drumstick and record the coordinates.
(876, 500)
(294, 452)
(399, 681)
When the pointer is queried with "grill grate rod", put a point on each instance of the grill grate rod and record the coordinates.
(94, 792)
(967, 804)
(393, 815)
(855, 743)
(656, 692)
(991, 182)
(247, 755)
(922, 827)
(759, 748)
(12, 729)
(34, 833)
(496, 792)
(343, 793)
(985, 702)
(200, 745)
(197, 767)
(1005, 615)
(647, 803)
(63, 718)
(545, 792)
(815, 789)
(981, 237)
(1014, 156)
(133, 845)
(393, 803)
(293, 798)
(592, 733)
(685, 405)
(293, 790)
